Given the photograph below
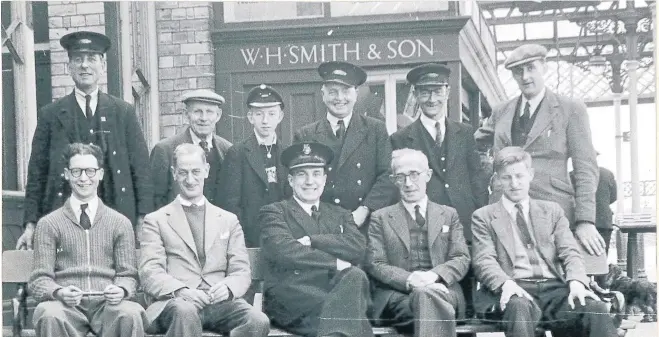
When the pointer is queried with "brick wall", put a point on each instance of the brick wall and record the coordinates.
(185, 57)
(65, 17)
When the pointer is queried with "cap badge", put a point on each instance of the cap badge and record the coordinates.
(432, 75)
(262, 86)
(85, 41)
(306, 149)
(264, 95)
(339, 72)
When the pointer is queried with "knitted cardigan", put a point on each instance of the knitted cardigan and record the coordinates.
(66, 254)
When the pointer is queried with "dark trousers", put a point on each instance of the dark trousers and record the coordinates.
(235, 318)
(550, 309)
(343, 313)
(606, 235)
(425, 311)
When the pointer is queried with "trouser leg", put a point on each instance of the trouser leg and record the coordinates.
(521, 317)
(435, 311)
(54, 318)
(237, 318)
(344, 309)
(179, 318)
(126, 319)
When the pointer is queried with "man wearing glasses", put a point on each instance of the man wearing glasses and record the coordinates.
(203, 109)
(253, 175)
(84, 260)
(87, 116)
(416, 255)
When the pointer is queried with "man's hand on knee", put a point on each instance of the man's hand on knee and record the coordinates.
(198, 297)
(509, 289)
(25, 240)
(578, 290)
(113, 294)
(70, 295)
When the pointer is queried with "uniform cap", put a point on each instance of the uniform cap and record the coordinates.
(343, 73)
(429, 74)
(306, 155)
(85, 41)
(264, 96)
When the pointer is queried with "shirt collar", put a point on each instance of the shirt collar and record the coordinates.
(81, 94)
(188, 203)
(196, 139)
(423, 206)
(510, 206)
(305, 206)
(263, 141)
(92, 206)
(429, 124)
(534, 102)
(333, 120)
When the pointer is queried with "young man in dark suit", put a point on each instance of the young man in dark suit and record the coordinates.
(87, 116)
(357, 178)
(253, 175)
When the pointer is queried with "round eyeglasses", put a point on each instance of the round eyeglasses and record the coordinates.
(77, 172)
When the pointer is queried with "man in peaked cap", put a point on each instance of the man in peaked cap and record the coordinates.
(358, 175)
(203, 109)
(88, 116)
(253, 175)
(552, 128)
(311, 248)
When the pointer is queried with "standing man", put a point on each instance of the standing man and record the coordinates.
(84, 260)
(310, 248)
(203, 108)
(457, 178)
(551, 128)
(90, 117)
(253, 176)
(529, 263)
(358, 175)
(417, 255)
(194, 266)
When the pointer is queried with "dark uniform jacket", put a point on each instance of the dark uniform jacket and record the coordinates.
(607, 193)
(358, 175)
(126, 157)
(244, 186)
(297, 277)
(165, 189)
(462, 178)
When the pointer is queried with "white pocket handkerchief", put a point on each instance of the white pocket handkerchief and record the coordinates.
(224, 236)
(445, 229)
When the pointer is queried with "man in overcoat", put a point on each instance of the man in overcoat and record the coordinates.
(310, 249)
(357, 178)
(203, 108)
(417, 255)
(551, 128)
(253, 175)
(89, 116)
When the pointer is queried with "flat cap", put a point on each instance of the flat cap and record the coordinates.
(264, 96)
(525, 54)
(202, 95)
(306, 155)
(429, 74)
(342, 72)
(85, 41)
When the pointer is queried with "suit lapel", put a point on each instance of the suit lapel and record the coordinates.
(179, 223)
(66, 117)
(216, 147)
(542, 233)
(506, 121)
(355, 134)
(302, 218)
(324, 132)
(255, 159)
(106, 117)
(435, 220)
(502, 226)
(453, 142)
(417, 141)
(212, 227)
(398, 223)
(544, 117)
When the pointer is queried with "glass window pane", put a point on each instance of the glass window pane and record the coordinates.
(354, 8)
(371, 101)
(244, 11)
(407, 109)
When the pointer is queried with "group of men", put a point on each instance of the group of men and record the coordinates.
(356, 227)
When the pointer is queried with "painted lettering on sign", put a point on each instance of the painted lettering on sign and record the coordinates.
(299, 54)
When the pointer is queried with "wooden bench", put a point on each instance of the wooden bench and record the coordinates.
(17, 265)
(634, 224)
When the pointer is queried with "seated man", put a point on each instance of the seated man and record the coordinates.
(417, 254)
(527, 260)
(84, 260)
(194, 265)
(310, 249)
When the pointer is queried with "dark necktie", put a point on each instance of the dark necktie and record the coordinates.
(526, 116)
(341, 131)
(84, 218)
(528, 241)
(314, 212)
(88, 107)
(204, 145)
(438, 139)
(420, 220)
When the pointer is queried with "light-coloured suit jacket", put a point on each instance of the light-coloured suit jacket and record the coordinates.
(389, 249)
(493, 248)
(169, 260)
(561, 130)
